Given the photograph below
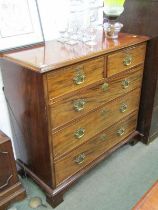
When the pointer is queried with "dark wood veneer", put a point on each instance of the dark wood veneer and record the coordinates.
(24, 93)
(27, 92)
(41, 60)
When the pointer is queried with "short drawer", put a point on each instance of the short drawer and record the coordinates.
(74, 77)
(81, 131)
(125, 59)
(72, 107)
(86, 153)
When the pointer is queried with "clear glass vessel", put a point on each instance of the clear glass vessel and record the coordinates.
(63, 32)
(91, 35)
(113, 9)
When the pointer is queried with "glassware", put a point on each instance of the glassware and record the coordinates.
(76, 5)
(73, 38)
(73, 30)
(113, 9)
(63, 31)
(83, 23)
(93, 15)
(91, 31)
(92, 3)
(92, 27)
(112, 29)
(83, 35)
(76, 9)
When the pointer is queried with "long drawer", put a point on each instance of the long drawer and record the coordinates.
(125, 59)
(72, 107)
(81, 131)
(74, 77)
(86, 153)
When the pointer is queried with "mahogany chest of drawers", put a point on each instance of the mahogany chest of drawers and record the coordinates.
(11, 189)
(73, 106)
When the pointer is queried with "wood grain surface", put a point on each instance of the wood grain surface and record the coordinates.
(41, 86)
(115, 61)
(56, 55)
(63, 110)
(67, 166)
(150, 200)
(25, 96)
(64, 140)
(62, 81)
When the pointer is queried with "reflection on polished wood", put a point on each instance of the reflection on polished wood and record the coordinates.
(74, 104)
(55, 54)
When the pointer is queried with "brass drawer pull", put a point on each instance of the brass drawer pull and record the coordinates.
(123, 108)
(105, 87)
(128, 60)
(125, 83)
(79, 133)
(103, 137)
(80, 158)
(79, 105)
(121, 131)
(6, 183)
(79, 78)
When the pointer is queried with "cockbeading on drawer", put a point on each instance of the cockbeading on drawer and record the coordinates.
(88, 152)
(71, 107)
(77, 133)
(124, 59)
(72, 78)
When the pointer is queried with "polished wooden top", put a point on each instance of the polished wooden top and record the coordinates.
(150, 200)
(54, 54)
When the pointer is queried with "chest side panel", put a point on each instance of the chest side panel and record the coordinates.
(25, 97)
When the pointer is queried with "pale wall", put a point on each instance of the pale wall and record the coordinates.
(52, 13)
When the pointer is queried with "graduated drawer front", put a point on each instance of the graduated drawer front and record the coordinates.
(81, 131)
(74, 77)
(86, 153)
(70, 108)
(125, 59)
